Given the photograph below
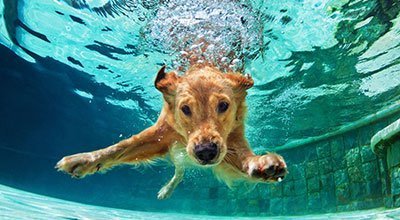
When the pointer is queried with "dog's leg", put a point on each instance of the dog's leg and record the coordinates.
(152, 142)
(167, 190)
(270, 167)
(178, 158)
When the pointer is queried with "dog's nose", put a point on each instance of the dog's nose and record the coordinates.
(206, 152)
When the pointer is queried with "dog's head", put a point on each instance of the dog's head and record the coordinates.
(204, 106)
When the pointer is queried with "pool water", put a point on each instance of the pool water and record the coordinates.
(78, 75)
(307, 57)
(17, 204)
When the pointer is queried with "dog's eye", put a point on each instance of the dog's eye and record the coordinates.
(186, 110)
(222, 107)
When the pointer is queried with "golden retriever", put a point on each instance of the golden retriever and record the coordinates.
(202, 119)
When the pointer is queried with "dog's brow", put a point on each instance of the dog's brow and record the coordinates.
(200, 92)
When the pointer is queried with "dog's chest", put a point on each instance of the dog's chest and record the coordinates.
(180, 157)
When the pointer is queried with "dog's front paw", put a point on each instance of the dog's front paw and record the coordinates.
(78, 165)
(270, 167)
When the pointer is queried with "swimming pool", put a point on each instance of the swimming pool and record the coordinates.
(16, 204)
(78, 75)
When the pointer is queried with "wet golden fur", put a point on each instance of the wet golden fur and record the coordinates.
(201, 89)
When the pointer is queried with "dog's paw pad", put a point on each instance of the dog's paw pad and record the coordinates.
(270, 167)
(78, 165)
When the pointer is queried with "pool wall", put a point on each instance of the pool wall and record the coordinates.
(340, 173)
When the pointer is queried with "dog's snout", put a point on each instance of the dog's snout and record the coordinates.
(206, 152)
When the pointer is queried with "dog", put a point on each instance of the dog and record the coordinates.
(202, 120)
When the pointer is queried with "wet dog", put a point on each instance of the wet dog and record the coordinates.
(202, 119)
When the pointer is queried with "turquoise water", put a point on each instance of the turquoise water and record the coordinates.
(77, 75)
(307, 57)
(17, 204)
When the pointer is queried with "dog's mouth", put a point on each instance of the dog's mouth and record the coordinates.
(207, 153)
(208, 163)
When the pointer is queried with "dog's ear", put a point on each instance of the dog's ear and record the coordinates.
(166, 82)
(240, 82)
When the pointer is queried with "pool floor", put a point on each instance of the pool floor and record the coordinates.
(17, 204)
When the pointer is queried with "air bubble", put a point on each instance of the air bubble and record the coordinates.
(205, 33)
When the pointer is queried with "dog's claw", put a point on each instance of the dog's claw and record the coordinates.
(98, 167)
